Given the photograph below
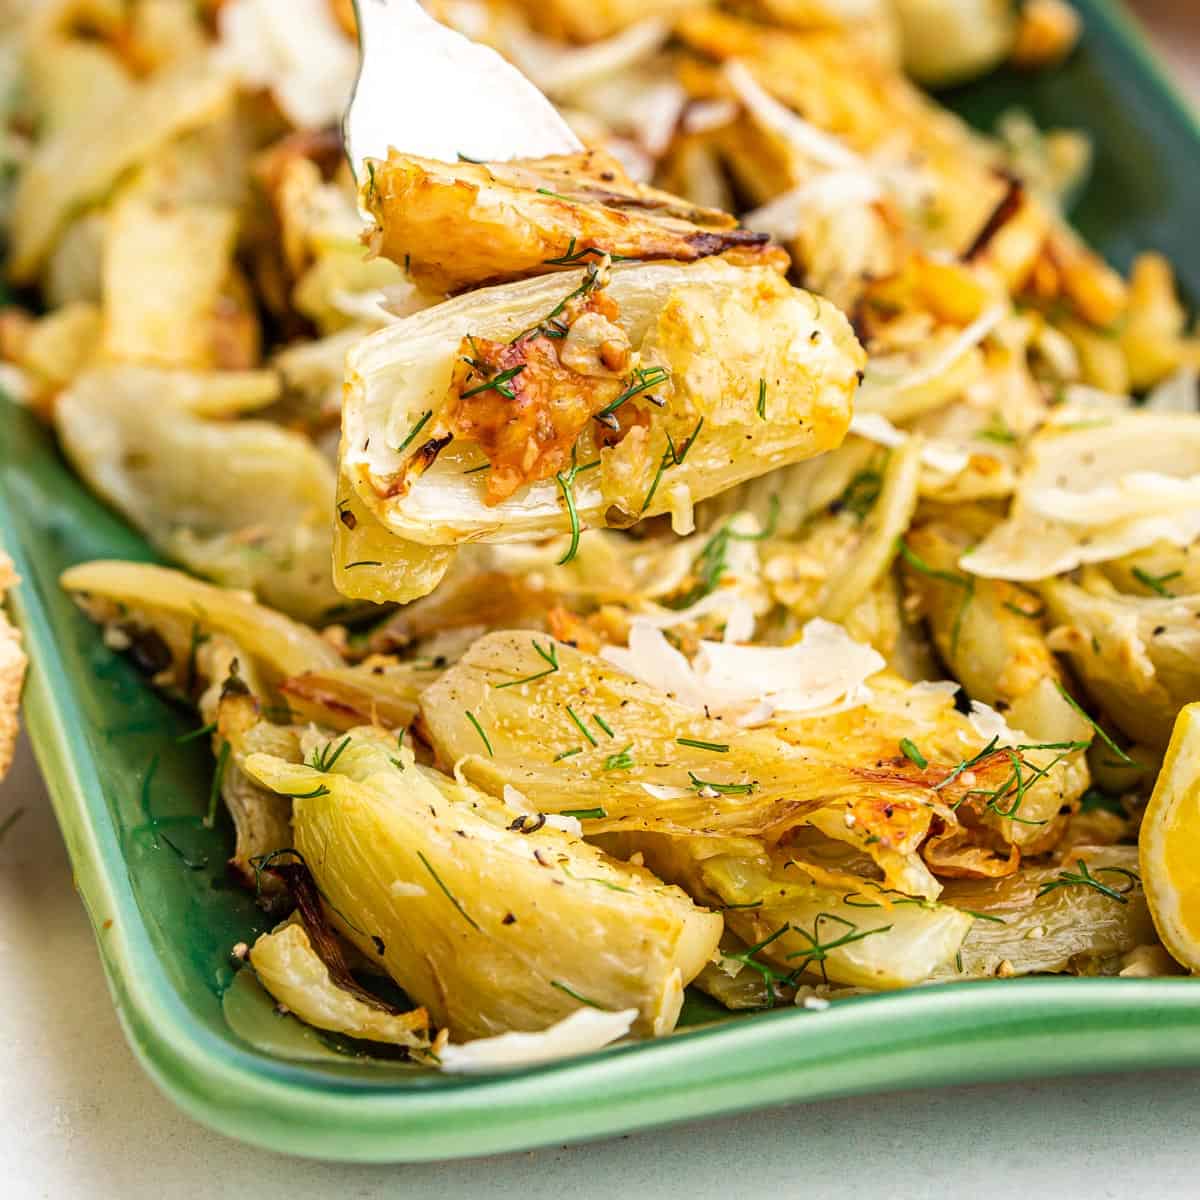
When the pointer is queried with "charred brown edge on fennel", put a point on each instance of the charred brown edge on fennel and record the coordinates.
(1010, 202)
(302, 888)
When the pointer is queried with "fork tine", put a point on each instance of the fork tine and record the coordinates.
(427, 90)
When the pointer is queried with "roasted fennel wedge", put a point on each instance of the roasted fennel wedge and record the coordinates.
(1138, 656)
(1080, 916)
(465, 225)
(802, 923)
(571, 731)
(183, 614)
(245, 503)
(490, 928)
(675, 361)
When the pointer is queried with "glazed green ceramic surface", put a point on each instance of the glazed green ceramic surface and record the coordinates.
(129, 798)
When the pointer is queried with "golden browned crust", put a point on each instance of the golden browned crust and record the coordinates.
(524, 403)
(462, 225)
(12, 671)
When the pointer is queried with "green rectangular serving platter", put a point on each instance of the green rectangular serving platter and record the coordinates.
(128, 797)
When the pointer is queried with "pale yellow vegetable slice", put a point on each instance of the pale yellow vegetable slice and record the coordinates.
(163, 272)
(1138, 656)
(571, 732)
(1054, 918)
(291, 970)
(491, 928)
(245, 503)
(1169, 843)
(1098, 491)
(855, 934)
(113, 128)
(989, 634)
(371, 563)
(718, 330)
(180, 608)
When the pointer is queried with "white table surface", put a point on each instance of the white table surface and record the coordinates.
(78, 1118)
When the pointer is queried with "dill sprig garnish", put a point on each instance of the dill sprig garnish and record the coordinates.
(424, 420)
(566, 483)
(982, 916)
(562, 987)
(211, 727)
(621, 761)
(909, 749)
(196, 641)
(672, 457)
(495, 383)
(642, 380)
(1085, 878)
(604, 883)
(712, 562)
(317, 792)
(762, 399)
(479, 730)
(966, 582)
(1154, 583)
(968, 763)
(769, 974)
(154, 824)
(998, 430)
(1124, 758)
(1035, 614)
(720, 789)
(466, 916)
(695, 743)
(548, 655)
(860, 495)
(587, 733)
(574, 257)
(1017, 783)
(214, 792)
(9, 821)
(594, 277)
(324, 758)
(818, 951)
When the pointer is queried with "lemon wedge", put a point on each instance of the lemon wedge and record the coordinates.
(1169, 843)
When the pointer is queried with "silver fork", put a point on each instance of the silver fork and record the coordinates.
(427, 90)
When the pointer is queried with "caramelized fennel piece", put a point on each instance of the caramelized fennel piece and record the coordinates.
(730, 342)
(809, 923)
(522, 710)
(463, 225)
(991, 636)
(1064, 918)
(375, 692)
(1136, 655)
(491, 919)
(165, 619)
(303, 966)
(291, 970)
(525, 402)
(243, 502)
